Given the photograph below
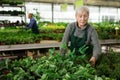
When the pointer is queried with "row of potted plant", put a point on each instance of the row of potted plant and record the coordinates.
(46, 27)
(25, 37)
(11, 2)
(58, 67)
(14, 12)
(49, 31)
(107, 30)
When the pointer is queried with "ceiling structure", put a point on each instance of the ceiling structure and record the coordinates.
(53, 1)
(99, 3)
(107, 3)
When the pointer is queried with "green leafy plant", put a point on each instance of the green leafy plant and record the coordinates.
(51, 67)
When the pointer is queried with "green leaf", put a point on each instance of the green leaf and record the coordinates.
(52, 51)
(64, 46)
(44, 77)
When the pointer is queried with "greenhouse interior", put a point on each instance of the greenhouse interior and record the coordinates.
(59, 39)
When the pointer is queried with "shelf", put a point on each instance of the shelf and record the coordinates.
(8, 5)
(29, 46)
(110, 42)
(10, 12)
(50, 44)
(9, 15)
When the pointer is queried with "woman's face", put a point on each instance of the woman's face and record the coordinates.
(82, 18)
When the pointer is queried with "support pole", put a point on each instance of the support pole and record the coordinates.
(52, 12)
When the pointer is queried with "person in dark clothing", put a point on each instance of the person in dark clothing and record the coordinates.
(32, 25)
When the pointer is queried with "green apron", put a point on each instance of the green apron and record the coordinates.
(77, 43)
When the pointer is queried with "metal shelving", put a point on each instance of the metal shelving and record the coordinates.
(13, 12)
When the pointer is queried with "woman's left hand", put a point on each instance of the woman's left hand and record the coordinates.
(92, 61)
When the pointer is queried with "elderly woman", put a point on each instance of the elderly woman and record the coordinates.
(80, 33)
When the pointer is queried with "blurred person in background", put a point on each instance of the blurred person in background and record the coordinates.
(81, 33)
(33, 24)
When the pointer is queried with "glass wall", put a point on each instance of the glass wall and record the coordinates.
(46, 12)
(49, 12)
(100, 14)
(97, 14)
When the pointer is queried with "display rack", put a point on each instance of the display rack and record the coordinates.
(13, 13)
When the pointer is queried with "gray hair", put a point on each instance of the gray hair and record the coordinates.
(82, 8)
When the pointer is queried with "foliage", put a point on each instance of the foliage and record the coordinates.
(52, 27)
(109, 65)
(12, 2)
(19, 36)
(52, 31)
(52, 67)
(106, 30)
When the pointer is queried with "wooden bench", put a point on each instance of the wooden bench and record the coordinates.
(52, 44)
